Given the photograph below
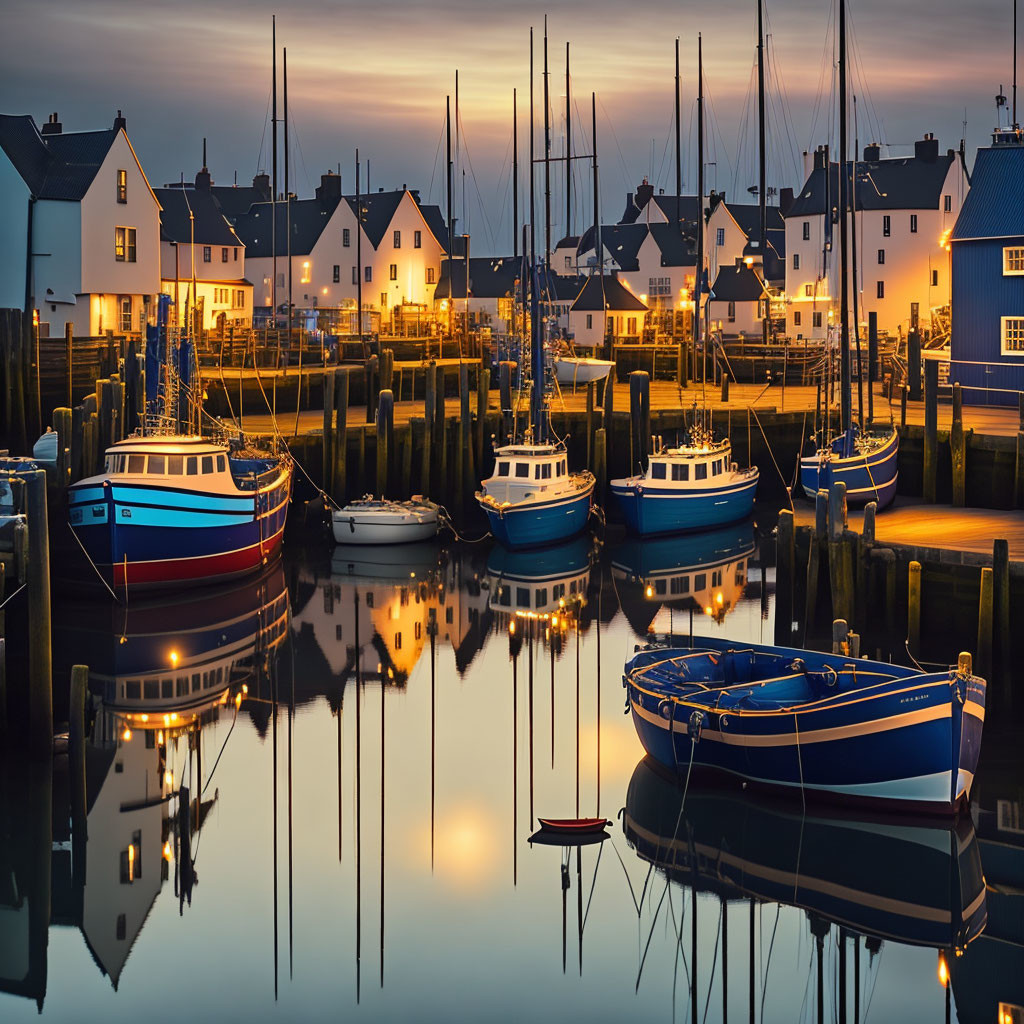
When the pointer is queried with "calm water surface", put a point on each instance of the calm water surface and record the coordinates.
(367, 739)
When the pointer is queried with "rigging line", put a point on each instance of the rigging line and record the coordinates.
(678, 926)
(629, 881)
(772, 66)
(824, 66)
(768, 965)
(302, 156)
(93, 564)
(743, 130)
(586, 913)
(476, 185)
(14, 594)
(615, 138)
(219, 755)
(433, 169)
(263, 137)
(714, 958)
(650, 936)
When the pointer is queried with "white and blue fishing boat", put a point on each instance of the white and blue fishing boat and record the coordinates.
(695, 486)
(825, 725)
(178, 510)
(867, 463)
(532, 499)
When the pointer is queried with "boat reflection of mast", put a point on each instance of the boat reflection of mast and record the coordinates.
(432, 630)
(273, 692)
(291, 904)
(359, 789)
(515, 644)
(529, 654)
(382, 696)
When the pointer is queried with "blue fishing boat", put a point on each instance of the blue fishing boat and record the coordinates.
(916, 881)
(532, 499)
(175, 510)
(695, 486)
(539, 584)
(867, 463)
(823, 724)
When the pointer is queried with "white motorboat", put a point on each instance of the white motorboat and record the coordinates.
(581, 369)
(379, 521)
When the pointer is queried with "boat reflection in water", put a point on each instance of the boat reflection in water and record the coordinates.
(702, 572)
(914, 882)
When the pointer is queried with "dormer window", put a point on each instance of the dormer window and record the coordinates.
(122, 186)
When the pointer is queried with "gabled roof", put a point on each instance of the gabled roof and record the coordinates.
(677, 246)
(737, 284)
(994, 206)
(489, 278)
(748, 217)
(58, 166)
(687, 207)
(617, 297)
(209, 224)
(774, 263)
(234, 200)
(560, 287)
(621, 241)
(569, 242)
(309, 217)
(377, 209)
(901, 183)
(435, 221)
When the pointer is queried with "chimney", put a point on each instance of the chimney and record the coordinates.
(808, 164)
(820, 155)
(380, 188)
(203, 178)
(261, 183)
(52, 126)
(872, 153)
(644, 194)
(714, 199)
(120, 124)
(785, 200)
(927, 149)
(329, 187)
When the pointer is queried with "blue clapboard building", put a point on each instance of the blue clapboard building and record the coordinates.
(987, 342)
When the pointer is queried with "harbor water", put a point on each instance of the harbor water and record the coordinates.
(368, 737)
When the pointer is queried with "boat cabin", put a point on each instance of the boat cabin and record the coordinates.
(180, 462)
(526, 471)
(689, 465)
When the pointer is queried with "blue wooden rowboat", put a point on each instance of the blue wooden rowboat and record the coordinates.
(833, 727)
(867, 463)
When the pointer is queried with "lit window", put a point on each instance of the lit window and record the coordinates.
(305, 272)
(398, 240)
(122, 186)
(417, 239)
(346, 237)
(430, 275)
(1012, 330)
(880, 289)
(393, 271)
(808, 289)
(1013, 260)
(124, 245)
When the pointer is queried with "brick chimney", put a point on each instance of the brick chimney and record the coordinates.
(644, 194)
(261, 182)
(927, 149)
(120, 124)
(52, 126)
(785, 200)
(329, 187)
(872, 153)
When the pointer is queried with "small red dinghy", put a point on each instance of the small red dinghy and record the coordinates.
(573, 826)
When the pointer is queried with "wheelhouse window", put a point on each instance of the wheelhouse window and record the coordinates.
(207, 463)
(175, 465)
(523, 470)
(680, 471)
(157, 465)
(700, 471)
(1013, 260)
(222, 463)
(561, 467)
(716, 467)
(136, 463)
(192, 465)
(502, 469)
(658, 470)
(1012, 332)
(122, 186)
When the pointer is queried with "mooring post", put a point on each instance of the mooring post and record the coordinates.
(361, 430)
(958, 449)
(464, 478)
(1001, 610)
(371, 373)
(872, 362)
(505, 370)
(76, 767)
(404, 435)
(841, 552)
(62, 426)
(639, 419)
(589, 423)
(864, 543)
(601, 464)
(483, 389)
(785, 564)
(327, 481)
(440, 434)
(914, 608)
(40, 663)
(725, 387)
(914, 364)
(608, 406)
(429, 417)
(339, 447)
(931, 425)
(840, 634)
(387, 369)
(985, 601)
(813, 572)
(385, 425)
(868, 528)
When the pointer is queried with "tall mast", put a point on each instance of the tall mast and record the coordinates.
(273, 194)
(762, 189)
(679, 149)
(451, 227)
(699, 276)
(853, 271)
(547, 155)
(598, 246)
(287, 201)
(1014, 91)
(568, 147)
(515, 178)
(359, 254)
(536, 351)
(846, 413)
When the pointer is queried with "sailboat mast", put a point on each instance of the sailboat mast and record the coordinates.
(762, 188)
(699, 284)
(359, 254)
(846, 412)
(273, 194)
(288, 201)
(451, 232)
(679, 148)
(536, 348)
(547, 155)
(515, 178)
(568, 147)
(853, 270)
(598, 245)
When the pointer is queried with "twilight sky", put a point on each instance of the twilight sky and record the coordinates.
(376, 76)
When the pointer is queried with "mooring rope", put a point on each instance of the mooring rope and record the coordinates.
(93, 564)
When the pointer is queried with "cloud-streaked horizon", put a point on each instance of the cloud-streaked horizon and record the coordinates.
(376, 77)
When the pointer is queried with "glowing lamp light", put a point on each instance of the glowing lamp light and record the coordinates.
(168, 779)
(167, 720)
(131, 862)
(444, 305)
(649, 592)
(145, 718)
(238, 700)
(174, 658)
(160, 736)
(719, 598)
(709, 610)
(943, 970)
(167, 851)
(748, 260)
(643, 298)
(126, 735)
(245, 687)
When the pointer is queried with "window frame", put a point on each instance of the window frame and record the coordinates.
(879, 289)
(336, 274)
(1004, 329)
(396, 242)
(796, 261)
(1008, 260)
(886, 225)
(392, 271)
(913, 223)
(122, 185)
(417, 239)
(207, 254)
(881, 257)
(346, 238)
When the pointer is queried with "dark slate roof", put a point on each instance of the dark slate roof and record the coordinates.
(774, 263)
(234, 200)
(489, 277)
(209, 224)
(994, 206)
(58, 166)
(737, 284)
(748, 217)
(677, 247)
(560, 287)
(569, 242)
(309, 217)
(377, 211)
(617, 296)
(687, 207)
(435, 221)
(621, 241)
(900, 183)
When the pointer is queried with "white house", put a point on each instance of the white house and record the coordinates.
(905, 211)
(733, 233)
(202, 260)
(736, 304)
(605, 306)
(81, 238)
(493, 286)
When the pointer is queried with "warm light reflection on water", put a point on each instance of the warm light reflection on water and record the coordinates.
(371, 751)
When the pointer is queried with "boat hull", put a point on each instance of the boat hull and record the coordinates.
(910, 740)
(151, 536)
(650, 510)
(356, 528)
(583, 371)
(538, 524)
(867, 477)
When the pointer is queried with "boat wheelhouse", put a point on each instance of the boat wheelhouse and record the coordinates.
(691, 487)
(532, 499)
(173, 510)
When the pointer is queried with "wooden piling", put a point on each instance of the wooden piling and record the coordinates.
(339, 446)
(931, 424)
(40, 657)
(76, 764)
(840, 636)
(464, 463)
(914, 608)
(589, 423)
(429, 418)
(868, 527)
(601, 464)
(327, 479)
(958, 450)
(815, 544)
(483, 388)
(725, 387)
(62, 426)
(639, 419)
(914, 364)
(69, 359)
(371, 372)
(985, 609)
(385, 432)
(608, 405)
(785, 561)
(1001, 609)
(505, 371)
(904, 389)
(404, 436)
(440, 436)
